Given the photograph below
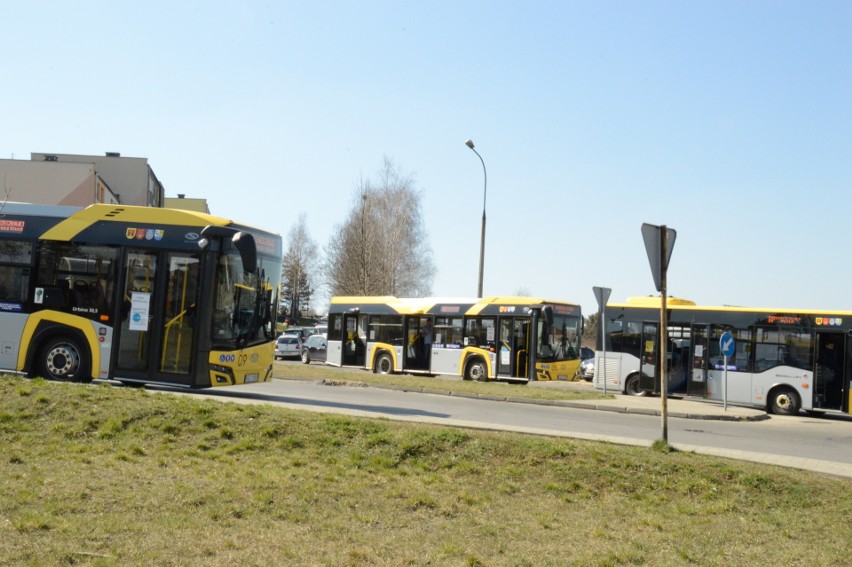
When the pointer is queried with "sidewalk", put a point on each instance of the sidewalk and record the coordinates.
(676, 407)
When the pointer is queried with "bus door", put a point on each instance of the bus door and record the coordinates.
(156, 330)
(649, 375)
(697, 385)
(513, 347)
(831, 376)
(419, 336)
(354, 340)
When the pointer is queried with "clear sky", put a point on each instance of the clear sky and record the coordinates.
(729, 121)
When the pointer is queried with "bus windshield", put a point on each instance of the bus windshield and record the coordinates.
(242, 312)
(559, 340)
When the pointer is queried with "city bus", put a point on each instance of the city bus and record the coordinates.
(515, 339)
(136, 294)
(782, 360)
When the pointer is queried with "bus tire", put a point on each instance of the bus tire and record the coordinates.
(384, 364)
(784, 401)
(476, 370)
(631, 386)
(61, 359)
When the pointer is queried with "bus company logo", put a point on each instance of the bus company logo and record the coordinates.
(255, 358)
(191, 236)
(227, 358)
(507, 309)
(829, 321)
(135, 234)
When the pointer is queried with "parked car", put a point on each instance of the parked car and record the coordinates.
(314, 349)
(587, 369)
(288, 346)
(302, 332)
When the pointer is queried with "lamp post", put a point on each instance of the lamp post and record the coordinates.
(469, 144)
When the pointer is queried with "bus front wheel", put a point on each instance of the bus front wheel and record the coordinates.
(476, 370)
(631, 386)
(784, 401)
(61, 359)
(384, 364)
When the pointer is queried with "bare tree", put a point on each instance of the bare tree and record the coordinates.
(382, 248)
(297, 268)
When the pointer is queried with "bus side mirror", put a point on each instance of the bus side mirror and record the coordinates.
(547, 313)
(244, 242)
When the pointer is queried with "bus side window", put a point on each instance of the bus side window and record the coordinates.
(57, 296)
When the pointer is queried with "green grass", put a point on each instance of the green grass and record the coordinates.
(99, 475)
(503, 390)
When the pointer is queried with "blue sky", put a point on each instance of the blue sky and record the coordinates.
(730, 122)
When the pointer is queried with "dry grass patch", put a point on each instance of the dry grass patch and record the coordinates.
(104, 475)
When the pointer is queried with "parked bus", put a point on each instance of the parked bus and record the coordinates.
(136, 294)
(783, 360)
(494, 338)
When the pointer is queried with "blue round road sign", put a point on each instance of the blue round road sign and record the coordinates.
(727, 344)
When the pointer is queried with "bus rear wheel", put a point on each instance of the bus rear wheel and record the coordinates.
(384, 364)
(61, 359)
(475, 370)
(784, 401)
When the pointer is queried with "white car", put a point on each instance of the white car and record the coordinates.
(587, 369)
(288, 346)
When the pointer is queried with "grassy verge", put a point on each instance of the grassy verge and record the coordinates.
(536, 391)
(118, 476)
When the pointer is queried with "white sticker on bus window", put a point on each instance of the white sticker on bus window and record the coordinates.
(699, 351)
(140, 304)
(505, 356)
(39, 295)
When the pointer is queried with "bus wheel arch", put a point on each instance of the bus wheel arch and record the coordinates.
(631, 386)
(384, 363)
(475, 369)
(63, 357)
(783, 400)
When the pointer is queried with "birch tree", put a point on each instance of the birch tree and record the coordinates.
(382, 248)
(297, 268)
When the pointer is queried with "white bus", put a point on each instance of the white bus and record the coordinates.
(784, 360)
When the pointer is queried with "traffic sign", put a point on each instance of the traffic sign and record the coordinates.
(602, 295)
(653, 237)
(727, 344)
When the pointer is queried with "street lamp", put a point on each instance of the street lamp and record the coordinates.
(469, 144)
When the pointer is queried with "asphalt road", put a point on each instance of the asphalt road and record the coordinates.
(820, 444)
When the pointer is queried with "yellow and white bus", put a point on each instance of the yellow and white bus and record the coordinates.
(783, 360)
(136, 294)
(493, 338)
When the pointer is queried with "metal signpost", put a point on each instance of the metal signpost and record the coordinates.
(602, 295)
(659, 242)
(728, 346)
